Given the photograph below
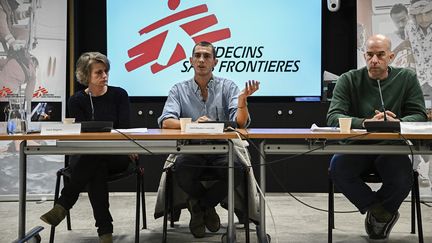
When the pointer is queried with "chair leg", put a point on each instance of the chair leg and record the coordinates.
(413, 203)
(418, 209)
(143, 204)
(246, 214)
(65, 180)
(330, 210)
(68, 220)
(68, 217)
(56, 196)
(137, 208)
(171, 202)
(166, 204)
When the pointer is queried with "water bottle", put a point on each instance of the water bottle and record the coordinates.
(17, 120)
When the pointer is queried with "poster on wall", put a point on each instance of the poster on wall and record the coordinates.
(33, 66)
(408, 24)
(33, 55)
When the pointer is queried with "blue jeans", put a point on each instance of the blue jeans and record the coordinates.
(395, 171)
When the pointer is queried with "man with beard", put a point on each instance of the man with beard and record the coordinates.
(205, 97)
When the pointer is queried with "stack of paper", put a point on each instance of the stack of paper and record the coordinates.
(315, 128)
(416, 127)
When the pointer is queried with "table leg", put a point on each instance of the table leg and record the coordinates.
(262, 226)
(22, 190)
(231, 228)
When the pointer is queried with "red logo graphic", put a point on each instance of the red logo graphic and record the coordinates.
(5, 91)
(39, 92)
(150, 49)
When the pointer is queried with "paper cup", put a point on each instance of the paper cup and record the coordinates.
(68, 120)
(345, 125)
(183, 122)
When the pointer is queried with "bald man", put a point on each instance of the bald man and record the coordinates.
(356, 95)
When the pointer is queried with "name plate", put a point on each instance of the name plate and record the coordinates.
(204, 128)
(60, 129)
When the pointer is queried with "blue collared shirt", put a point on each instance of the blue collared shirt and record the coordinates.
(185, 100)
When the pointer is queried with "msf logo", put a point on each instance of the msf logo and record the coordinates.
(5, 91)
(40, 92)
(149, 50)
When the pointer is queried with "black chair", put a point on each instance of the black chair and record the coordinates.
(133, 169)
(374, 178)
(206, 177)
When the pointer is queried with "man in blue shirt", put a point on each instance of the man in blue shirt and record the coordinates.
(205, 98)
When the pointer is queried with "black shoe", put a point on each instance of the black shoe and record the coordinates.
(196, 224)
(379, 230)
(212, 220)
(240, 216)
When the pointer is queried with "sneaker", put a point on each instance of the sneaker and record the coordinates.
(55, 215)
(379, 230)
(211, 219)
(196, 223)
(106, 238)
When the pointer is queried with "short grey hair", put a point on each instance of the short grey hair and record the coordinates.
(83, 65)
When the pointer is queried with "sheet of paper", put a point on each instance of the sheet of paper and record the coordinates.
(131, 130)
(315, 128)
(416, 127)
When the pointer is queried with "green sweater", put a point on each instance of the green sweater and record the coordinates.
(356, 95)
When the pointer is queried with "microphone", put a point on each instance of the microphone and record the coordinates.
(95, 126)
(382, 126)
(382, 101)
(227, 124)
(91, 104)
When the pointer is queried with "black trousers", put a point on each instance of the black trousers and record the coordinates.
(395, 171)
(93, 171)
(189, 169)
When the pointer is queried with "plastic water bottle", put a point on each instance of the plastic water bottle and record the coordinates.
(17, 120)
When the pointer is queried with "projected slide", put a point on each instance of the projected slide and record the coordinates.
(277, 42)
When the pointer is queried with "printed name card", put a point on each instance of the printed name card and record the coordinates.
(60, 129)
(204, 128)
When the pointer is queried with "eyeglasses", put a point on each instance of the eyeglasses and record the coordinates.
(379, 54)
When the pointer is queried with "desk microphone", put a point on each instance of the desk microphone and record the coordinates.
(91, 104)
(227, 124)
(382, 101)
(382, 126)
(95, 126)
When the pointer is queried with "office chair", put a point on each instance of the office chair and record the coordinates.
(206, 177)
(374, 178)
(133, 169)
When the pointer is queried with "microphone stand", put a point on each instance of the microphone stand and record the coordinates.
(95, 126)
(91, 104)
(382, 100)
(382, 126)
